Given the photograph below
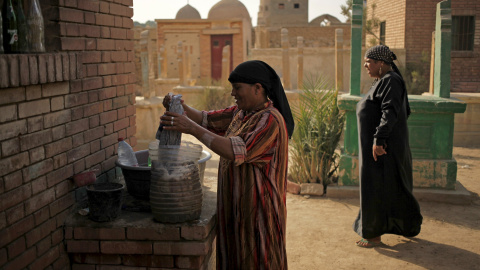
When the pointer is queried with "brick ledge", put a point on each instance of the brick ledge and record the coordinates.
(29, 69)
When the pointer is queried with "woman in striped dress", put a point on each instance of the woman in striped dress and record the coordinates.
(251, 138)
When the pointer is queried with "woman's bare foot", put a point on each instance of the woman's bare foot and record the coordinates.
(370, 242)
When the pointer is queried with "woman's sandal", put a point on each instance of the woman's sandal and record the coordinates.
(364, 243)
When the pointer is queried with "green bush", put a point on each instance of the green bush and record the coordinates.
(319, 126)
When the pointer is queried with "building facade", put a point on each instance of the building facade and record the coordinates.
(408, 24)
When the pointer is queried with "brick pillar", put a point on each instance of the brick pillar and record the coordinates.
(300, 63)
(339, 59)
(286, 60)
(356, 51)
(443, 47)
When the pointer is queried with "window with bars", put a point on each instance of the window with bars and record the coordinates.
(382, 32)
(463, 32)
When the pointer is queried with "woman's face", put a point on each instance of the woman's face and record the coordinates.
(246, 96)
(373, 67)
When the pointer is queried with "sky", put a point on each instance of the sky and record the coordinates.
(145, 10)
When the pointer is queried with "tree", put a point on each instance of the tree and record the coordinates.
(370, 26)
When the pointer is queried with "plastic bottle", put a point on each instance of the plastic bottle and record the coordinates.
(10, 30)
(22, 27)
(36, 29)
(126, 156)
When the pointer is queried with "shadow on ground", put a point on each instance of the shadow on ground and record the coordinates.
(417, 250)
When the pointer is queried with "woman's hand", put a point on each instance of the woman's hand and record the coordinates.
(378, 150)
(177, 122)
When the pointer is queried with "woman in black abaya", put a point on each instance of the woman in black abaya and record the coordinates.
(387, 205)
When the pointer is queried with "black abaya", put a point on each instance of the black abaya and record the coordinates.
(387, 205)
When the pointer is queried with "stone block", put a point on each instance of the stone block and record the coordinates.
(51, 75)
(12, 181)
(35, 124)
(92, 83)
(33, 92)
(39, 185)
(4, 74)
(85, 246)
(75, 100)
(293, 188)
(37, 154)
(57, 103)
(36, 170)
(55, 89)
(13, 65)
(42, 68)
(75, 127)
(33, 108)
(158, 232)
(125, 247)
(311, 189)
(8, 113)
(149, 261)
(33, 66)
(24, 69)
(13, 129)
(78, 153)
(71, 15)
(66, 67)
(58, 147)
(73, 66)
(10, 147)
(58, 67)
(36, 139)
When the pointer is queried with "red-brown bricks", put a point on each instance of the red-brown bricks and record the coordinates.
(61, 113)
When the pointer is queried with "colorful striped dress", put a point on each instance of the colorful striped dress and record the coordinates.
(251, 196)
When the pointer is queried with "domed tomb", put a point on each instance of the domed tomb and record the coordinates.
(229, 9)
(188, 13)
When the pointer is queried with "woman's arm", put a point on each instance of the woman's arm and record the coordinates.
(218, 144)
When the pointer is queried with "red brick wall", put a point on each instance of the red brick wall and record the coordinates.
(393, 13)
(465, 68)
(60, 114)
(415, 21)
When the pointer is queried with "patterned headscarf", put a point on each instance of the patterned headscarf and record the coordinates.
(256, 71)
(383, 53)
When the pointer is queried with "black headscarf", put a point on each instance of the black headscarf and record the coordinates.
(256, 71)
(383, 53)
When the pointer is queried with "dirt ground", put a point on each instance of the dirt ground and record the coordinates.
(320, 234)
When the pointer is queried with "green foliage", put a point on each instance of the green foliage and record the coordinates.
(214, 97)
(318, 128)
(415, 75)
(370, 26)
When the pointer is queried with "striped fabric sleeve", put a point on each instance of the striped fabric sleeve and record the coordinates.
(258, 143)
(218, 121)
